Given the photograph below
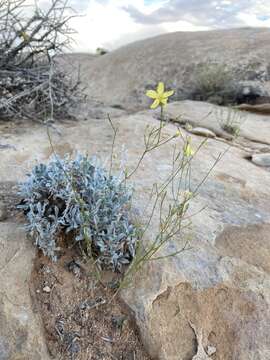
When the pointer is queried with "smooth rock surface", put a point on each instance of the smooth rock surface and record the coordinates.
(123, 75)
(221, 285)
(253, 127)
(21, 336)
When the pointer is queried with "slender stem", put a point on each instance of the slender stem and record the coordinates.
(115, 130)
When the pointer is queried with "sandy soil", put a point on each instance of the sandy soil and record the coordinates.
(82, 318)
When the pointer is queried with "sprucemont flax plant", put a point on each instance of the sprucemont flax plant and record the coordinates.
(160, 96)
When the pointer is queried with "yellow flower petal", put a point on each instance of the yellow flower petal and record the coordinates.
(164, 101)
(160, 95)
(168, 93)
(155, 104)
(160, 88)
(152, 94)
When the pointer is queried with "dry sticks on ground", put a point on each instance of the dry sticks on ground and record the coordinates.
(27, 93)
(30, 38)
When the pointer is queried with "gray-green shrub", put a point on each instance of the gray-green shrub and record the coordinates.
(214, 83)
(79, 196)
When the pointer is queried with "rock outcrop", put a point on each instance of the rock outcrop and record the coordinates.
(253, 127)
(21, 335)
(214, 297)
(121, 77)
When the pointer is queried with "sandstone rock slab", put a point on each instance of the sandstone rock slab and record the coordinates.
(123, 75)
(21, 335)
(253, 127)
(219, 286)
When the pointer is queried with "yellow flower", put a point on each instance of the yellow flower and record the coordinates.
(159, 95)
(188, 151)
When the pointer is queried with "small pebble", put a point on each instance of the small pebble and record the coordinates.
(47, 289)
(203, 132)
(74, 267)
(211, 350)
(3, 211)
(261, 159)
(118, 321)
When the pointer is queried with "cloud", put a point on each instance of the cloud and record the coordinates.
(214, 14)
(113, 23)
(107, 24)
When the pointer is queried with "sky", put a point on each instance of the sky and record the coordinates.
(112, 23)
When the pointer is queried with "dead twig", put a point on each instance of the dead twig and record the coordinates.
(30, 79)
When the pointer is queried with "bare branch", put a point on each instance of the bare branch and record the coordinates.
(30, 38)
